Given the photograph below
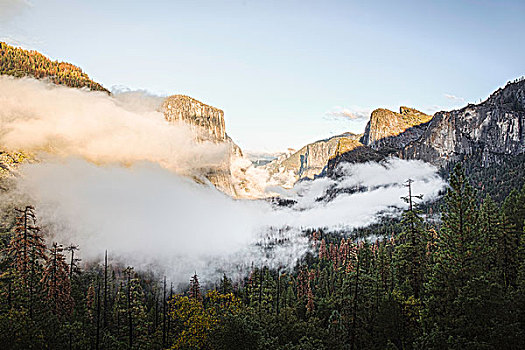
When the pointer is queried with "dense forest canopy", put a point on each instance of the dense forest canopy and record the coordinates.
(19, 63)
(458, 283)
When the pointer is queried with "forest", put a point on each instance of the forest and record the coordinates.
(20, 63)
(453, 283)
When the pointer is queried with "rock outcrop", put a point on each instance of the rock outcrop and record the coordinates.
(311, 160)
(395, 130)
(208, 124)
(488, 133)
(206, 120)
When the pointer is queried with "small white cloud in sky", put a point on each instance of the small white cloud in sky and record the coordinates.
(352, 112)
(455, 98)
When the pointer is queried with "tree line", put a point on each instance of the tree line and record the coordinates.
(454, 283)
(19, 63)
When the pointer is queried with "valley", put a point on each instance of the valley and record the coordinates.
(408, 235)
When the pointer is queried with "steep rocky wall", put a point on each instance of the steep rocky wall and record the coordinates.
(208, 124)
(488, 133)
(395, 130)
(311, 160)
(205, 118)
(490, 130)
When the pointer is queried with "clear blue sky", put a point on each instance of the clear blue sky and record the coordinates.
(277, 67)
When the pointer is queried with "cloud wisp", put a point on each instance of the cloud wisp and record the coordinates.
(455, 98)
(353, 113)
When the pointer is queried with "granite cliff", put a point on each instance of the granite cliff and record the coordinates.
(386, 132)
(491, 131)
(208, 124)
(206, 121)
(487, 133)
(311, 160)
(395, 130)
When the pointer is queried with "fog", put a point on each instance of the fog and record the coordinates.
(44, 118)
(152, 218)
(113, 175)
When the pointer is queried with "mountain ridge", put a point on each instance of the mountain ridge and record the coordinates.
(310, 160)
(206, 121)
(19, 63)
(491, 131)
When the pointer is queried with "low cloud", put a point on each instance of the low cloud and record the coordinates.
(113, 174)
(47, 119)
(152, 218)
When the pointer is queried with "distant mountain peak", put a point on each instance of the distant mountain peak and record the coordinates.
(384, 125)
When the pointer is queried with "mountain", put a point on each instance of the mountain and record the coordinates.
(482, 136)
(390, 129)
(385, 130)
(311, 160)
(208, 123)
(20, 63)
(491, 131)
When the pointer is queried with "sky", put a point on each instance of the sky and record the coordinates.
(286, 73)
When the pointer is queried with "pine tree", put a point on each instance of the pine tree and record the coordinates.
(226, 285)
(411, 250)
(56, 281)
(457, 262)
(131, 312)
(323, 253)
(195, 288)
(310, 300)
(26, 252)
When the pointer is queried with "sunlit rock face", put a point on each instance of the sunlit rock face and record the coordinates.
(489, 131)
(311, 160)
(205, 118)
(395, 130)
(208, 124)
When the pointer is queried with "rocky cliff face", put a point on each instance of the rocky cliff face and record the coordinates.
(208, 121)
(208, 124)
(489, 133)
(395, 130)
(311, 160)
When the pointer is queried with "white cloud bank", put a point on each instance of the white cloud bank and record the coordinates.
(147, 216)
(40, 117)
(115, 175)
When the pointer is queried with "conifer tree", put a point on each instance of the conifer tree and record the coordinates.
(56, 281)
(226, 285)
(411, 249)
(195, 288)
(456, 262)
(26, 252)
(131, 312)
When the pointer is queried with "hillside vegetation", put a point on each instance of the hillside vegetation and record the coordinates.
(19, 63)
